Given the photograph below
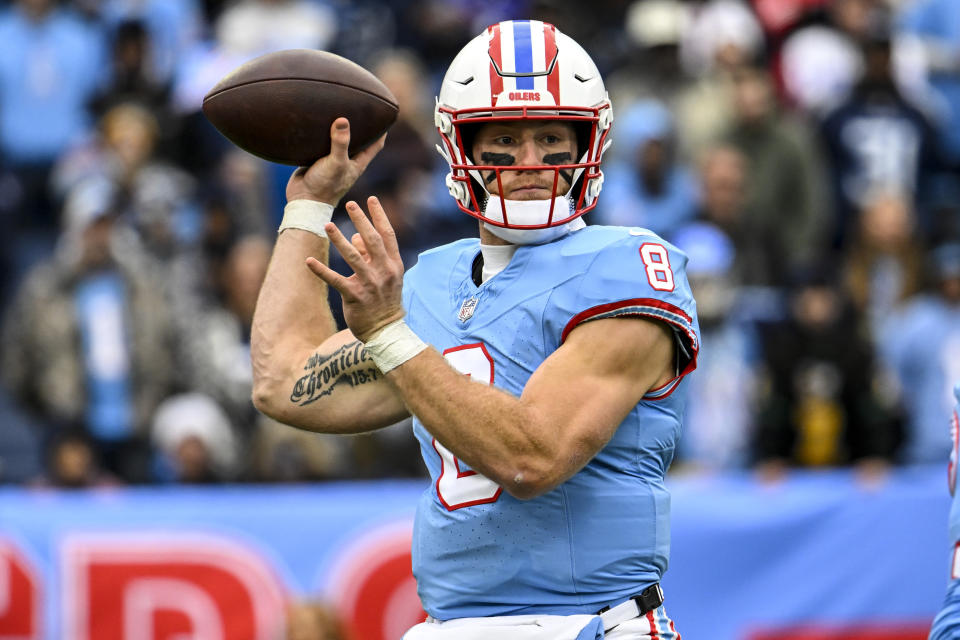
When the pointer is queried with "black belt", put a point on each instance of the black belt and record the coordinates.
(639, 605)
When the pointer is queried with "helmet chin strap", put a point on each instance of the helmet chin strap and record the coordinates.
(529, 212)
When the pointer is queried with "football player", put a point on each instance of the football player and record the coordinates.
(946, 626)
(543, 362)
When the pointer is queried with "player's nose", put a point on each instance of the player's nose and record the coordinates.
(529, 154)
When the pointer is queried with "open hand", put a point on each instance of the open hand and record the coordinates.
(372, 296)
(330, 177)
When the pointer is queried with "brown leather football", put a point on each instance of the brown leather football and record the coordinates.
(281, 105)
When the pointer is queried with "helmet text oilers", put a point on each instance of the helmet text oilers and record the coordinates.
(523, 70)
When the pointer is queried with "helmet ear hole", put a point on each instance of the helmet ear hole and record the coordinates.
(582, 131)
(468, 133)
(480, 192)
(576, 188)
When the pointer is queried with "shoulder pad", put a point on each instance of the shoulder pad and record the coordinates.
(632, 272)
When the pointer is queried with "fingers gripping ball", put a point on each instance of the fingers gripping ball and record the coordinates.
(281, 105)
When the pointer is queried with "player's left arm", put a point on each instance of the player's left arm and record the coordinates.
(570, 407)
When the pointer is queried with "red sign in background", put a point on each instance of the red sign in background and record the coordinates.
(813, 563)
(159, 587)
(919, 631)
(20, 595)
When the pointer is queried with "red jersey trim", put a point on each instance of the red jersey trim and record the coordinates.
(645, 308)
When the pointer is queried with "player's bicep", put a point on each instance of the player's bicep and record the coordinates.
(597, 376)
(336, 388)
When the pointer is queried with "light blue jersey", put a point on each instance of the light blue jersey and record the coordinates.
(601, 536)
(946, 626)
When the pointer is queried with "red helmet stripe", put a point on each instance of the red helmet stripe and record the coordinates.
(550, 49)
(496, 81)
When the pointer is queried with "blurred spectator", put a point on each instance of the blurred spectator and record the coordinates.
(723, 179)
(282, 454)
(786, 191)
(876, 139)
(404, 73)
(645, 186)
(820, 63)
(922, 347)
(437, 29)
(21, 442)
(403, 174)
(884, 264)
(253, 27)
(239, 186)
(718, 424)
(408, 156)
(722, 33)
(196, 438)
(173, 27)
(367, 28)
(132, 79)
(723, 37)
(932, 27)
(821, 406)
(155, 196)
(243, 30)
(408, 170)
(72, 463)
(778, 16)
(392, 452)
(600, 23)
(88, 340)
(216, 331)
(51, 65)
(313, 621)
(655, 29)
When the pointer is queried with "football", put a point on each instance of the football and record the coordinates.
(281, 105)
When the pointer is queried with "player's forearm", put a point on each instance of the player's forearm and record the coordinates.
(336, 389)
(292, 316)
(497, 434)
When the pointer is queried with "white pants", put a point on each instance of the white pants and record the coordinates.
(656, 625)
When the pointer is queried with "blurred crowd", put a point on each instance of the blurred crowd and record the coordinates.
(805, 154)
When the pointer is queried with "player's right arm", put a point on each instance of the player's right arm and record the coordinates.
(305, 372)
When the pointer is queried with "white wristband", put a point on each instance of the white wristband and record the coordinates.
(393, 345)
(308, 215)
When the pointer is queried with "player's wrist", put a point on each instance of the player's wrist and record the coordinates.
(393, 345)
(308, 215)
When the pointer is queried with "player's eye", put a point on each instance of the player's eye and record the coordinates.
(503, 140)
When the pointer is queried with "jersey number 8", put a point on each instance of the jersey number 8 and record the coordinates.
(657, 262)
(459, 488)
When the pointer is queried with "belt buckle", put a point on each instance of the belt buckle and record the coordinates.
(649, 599)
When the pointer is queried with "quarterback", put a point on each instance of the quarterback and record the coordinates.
(542, 362)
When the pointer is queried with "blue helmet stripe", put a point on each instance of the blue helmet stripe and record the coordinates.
(523, 53)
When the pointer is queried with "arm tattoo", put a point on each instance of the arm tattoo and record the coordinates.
(349, 364)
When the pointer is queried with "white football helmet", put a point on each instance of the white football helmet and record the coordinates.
(523, 70)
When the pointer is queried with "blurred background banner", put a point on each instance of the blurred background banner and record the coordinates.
(824, 557)
(208, 564)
